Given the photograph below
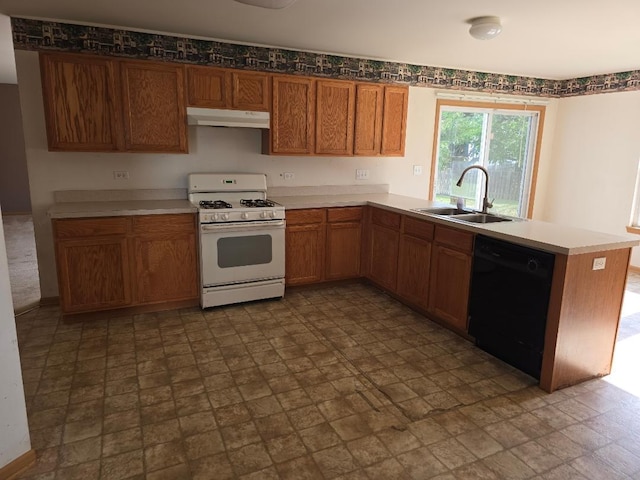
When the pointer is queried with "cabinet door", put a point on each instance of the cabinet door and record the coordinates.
(250, 91)
(165, 258)
(208, 87)
(368, 122)
(154, 107)
(383, 268)
(394, 120)
(81, 103)
(343, 250)
(305, 254)
(93, 273)
(292, 115)
(450, 279)
(414, 262)
(335, 108)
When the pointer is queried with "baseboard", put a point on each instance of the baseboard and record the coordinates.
(634, 269)
(15, 213)
(18, 466)
(49, 301)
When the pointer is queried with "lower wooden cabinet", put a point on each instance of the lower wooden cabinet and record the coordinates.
(451, 276)
(384, 238)
(115, 262)
(323, 244)
(414, 261)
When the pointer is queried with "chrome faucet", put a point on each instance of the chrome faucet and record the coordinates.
(486, 204)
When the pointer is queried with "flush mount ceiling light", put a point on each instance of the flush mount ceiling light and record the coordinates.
(272, 4)
(485, 28)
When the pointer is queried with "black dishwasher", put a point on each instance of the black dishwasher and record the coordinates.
(510, 288)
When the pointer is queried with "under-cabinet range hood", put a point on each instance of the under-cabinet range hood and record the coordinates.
(212, 117)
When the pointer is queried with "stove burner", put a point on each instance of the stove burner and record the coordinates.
(258, 203)
(215, 204)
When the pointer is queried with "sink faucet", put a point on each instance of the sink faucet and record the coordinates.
(486, 204)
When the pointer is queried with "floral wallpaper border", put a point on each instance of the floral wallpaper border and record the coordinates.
(31, 34)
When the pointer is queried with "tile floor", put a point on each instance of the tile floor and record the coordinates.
(333, 382)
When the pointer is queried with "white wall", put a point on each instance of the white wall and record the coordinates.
(595, 161)
(14, 429)
(211, 149)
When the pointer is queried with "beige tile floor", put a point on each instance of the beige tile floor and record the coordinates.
(333, 382)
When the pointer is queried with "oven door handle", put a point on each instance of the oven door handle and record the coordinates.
(218, 227)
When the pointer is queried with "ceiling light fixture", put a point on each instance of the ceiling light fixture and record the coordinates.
(272, 4)
(485, 28)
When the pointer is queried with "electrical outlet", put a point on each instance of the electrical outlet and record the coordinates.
(599, 263)
(362, 174)
(288, 175)
(120, 175)
(417, 169)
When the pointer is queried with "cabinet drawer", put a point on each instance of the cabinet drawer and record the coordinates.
(385, 218)
(85, 227)
(344, 214)
(418, 228)
(307, 216)
(165, 223)
(453, 238)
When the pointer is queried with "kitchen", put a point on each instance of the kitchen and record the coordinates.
(233, 150)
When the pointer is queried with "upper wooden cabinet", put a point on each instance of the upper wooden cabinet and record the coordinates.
(154, 107)
(368, 121)
(394, 120)
(94, 104)
(81, 102)
(292, 116)
(335, 107)
(211, 87)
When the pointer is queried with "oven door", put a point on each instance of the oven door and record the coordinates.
(241, 252)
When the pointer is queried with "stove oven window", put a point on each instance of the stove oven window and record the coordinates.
(244, 251)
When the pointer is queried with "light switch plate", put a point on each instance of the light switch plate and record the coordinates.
(417, 169)
(599, 263)
(362, 174)
(120, 175)
(289, 175)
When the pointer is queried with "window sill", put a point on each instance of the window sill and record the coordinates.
(634, 229)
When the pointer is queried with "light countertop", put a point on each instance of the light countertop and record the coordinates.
(532, 233)
(120, 208)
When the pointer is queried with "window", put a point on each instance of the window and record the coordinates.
(503, 138)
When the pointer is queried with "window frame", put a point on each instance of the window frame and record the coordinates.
(540, 109)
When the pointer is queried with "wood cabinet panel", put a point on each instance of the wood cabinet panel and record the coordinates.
(417, 228)
(414, 262)
(292, 115)
(86, 227)
(306, 216)
(334, 117)
(449, 290)
(305, 254)
(343, 250)
(208, 87)
(250, 91)
(383, 267)
(165, 267)
(385, 218)
(81, 103)
(458, 239)
(368, 119)
(154, 107)
(344, 214)
(93, 273)
(394, 120)
(163, 224)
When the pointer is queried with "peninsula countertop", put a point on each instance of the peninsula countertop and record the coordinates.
(546, 236)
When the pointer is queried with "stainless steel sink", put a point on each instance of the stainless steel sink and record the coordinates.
(481, 218)
(442, 211)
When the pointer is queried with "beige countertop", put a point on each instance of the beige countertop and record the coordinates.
(120, 208)
(532, 233)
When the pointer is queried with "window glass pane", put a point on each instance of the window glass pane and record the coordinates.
(502, 141)
(242, 251)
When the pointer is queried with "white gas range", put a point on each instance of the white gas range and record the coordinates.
(242, 236)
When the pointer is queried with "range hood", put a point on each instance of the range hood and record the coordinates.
(213, 117)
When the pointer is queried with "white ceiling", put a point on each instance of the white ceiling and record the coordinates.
(556, 39)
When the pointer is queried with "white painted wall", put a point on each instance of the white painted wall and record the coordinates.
(14, 429)
(594, 162)
(211, 150)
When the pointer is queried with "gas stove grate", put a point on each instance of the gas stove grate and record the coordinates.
(214, 204)
(257, 203)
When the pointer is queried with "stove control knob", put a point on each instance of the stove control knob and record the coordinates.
(244, 215)
(272, 214)
(225, 216)
(263, 214)
(214, 217)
